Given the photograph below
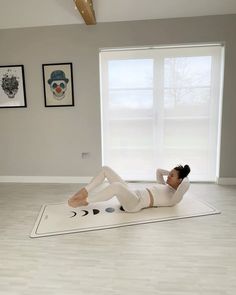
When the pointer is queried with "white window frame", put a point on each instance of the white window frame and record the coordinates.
(161, 53)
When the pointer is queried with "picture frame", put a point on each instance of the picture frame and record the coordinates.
(58, 85)
(12, 87)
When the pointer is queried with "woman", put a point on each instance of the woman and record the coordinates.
(164, 193)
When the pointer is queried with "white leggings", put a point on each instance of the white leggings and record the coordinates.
(129, 200)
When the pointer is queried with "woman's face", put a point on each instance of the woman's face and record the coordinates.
(173, 179)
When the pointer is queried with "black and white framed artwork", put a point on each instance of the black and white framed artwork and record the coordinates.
(12, 87)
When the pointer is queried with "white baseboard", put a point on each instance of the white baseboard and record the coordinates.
(226, 181)
(45, 179)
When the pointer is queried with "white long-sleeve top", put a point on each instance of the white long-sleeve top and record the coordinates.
(164, 194)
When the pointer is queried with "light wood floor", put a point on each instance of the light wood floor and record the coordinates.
(194, 256)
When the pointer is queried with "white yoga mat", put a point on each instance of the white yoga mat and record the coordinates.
(57, 219)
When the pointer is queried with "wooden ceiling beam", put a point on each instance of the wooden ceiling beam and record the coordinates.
(85, 8)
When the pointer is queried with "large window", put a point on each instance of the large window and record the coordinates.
(160, 107)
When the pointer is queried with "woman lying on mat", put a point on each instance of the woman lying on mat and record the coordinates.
(164, 193)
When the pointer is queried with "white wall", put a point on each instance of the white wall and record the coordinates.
(39, 141)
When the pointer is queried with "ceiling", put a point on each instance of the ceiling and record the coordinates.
(33, 13)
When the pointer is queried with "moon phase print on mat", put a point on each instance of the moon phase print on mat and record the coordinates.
(74, 214)
(93, 212)
(109, 209)
(85, 212)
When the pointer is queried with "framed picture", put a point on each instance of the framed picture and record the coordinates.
(12, 87)
(58, 85)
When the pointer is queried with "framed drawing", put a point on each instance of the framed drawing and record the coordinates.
(12, 87)
(58, 85)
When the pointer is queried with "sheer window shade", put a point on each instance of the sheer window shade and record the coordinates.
(160, 107)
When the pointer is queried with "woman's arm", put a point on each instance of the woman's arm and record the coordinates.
(181, 190)
(159, 175)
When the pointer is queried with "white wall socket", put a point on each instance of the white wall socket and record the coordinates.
(85, 155)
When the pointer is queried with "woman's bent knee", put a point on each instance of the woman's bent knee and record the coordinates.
(106, 169)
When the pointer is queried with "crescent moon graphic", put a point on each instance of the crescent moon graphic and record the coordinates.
(74, 214)
(85, 212)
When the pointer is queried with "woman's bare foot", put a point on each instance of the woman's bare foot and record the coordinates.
(77, 203)
(79, 199)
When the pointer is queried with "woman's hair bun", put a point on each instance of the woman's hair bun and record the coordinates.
(183, 171)
(187, 169)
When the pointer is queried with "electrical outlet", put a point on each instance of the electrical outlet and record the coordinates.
(85, 155)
